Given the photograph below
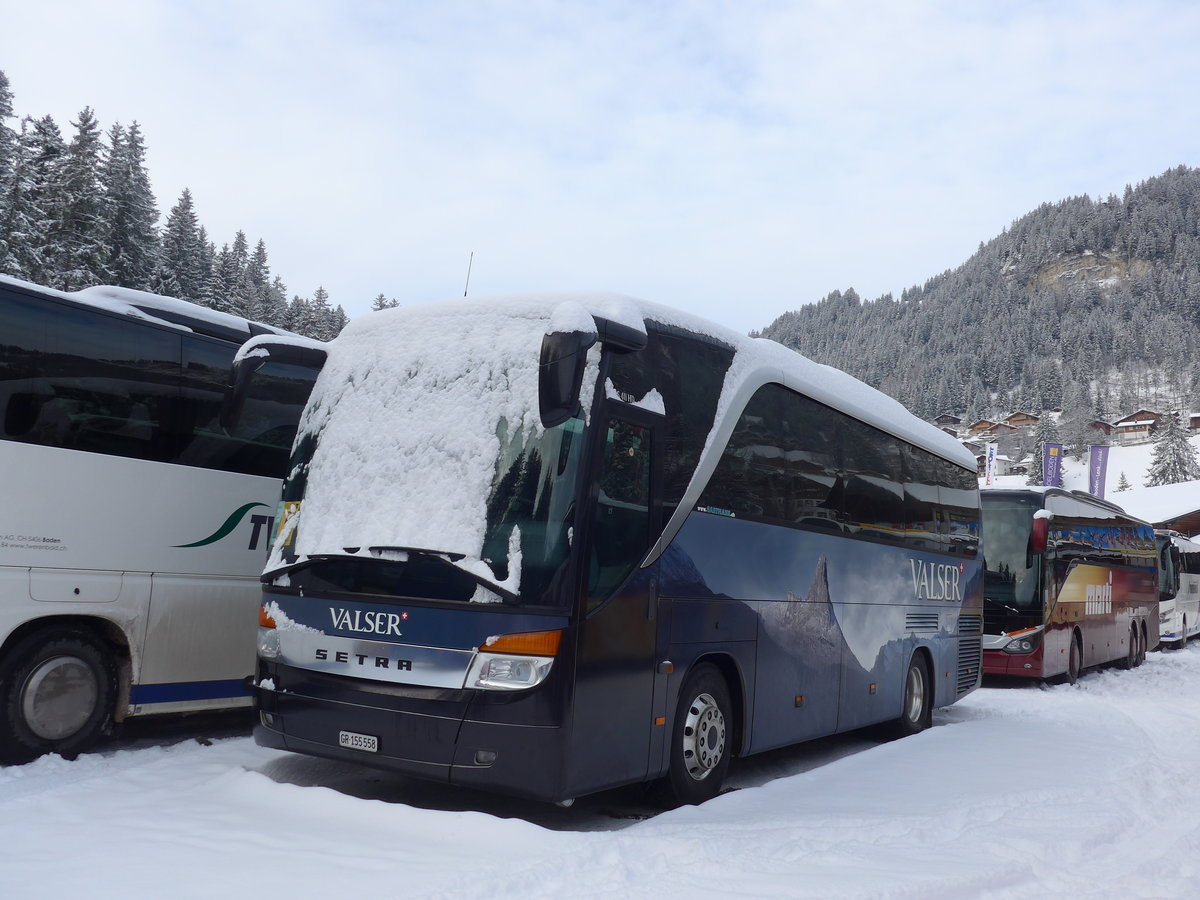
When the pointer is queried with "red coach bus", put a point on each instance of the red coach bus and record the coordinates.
(1071, 583)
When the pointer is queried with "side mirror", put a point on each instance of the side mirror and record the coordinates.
(560, 374)
(1039, 535)
(256, 353)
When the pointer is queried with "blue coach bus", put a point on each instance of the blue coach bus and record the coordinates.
(549, 545)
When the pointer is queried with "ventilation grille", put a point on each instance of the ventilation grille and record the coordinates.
(970, 652)
(921, 622)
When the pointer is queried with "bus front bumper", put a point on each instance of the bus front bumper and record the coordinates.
(431, 740)
(1023, 665)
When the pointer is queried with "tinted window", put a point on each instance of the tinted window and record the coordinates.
(873, 498)
(688, 372)
(781, 463)
(795, 461)
(84, 379)
(959, 495)
(100, 385)
(262, 439)
(622, 531)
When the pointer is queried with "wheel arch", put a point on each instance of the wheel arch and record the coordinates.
(114, 638)
(925, 652)
(728, 668)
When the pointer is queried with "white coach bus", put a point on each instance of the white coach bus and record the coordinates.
(133, 526)
(1179, 588)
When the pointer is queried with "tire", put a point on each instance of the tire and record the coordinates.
(701, 736)
(1075, 660)
(1142, 641)
(57, 693)
(916, 714)
(1130, 659)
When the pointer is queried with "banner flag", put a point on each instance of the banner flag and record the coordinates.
(989, 468)
(1097, 469)
(1052, 465)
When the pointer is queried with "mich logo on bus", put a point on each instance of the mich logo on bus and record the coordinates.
(937, 581)
(1099, 598)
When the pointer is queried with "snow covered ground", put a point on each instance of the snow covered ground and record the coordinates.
(1018, 791)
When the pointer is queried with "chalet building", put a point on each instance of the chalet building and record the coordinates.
(1194, 421)
(1000, 429)
(1136, 427)
(1004, 465)
(1022, 420)
(1173, 506)
(947, 420)
(980, 427)
(1107, 429)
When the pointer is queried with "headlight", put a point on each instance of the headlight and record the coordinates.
(507, 673)
(513, 662)
(1024, 644)
(268, 643)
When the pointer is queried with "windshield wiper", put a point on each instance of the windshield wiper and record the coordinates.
(451, 560)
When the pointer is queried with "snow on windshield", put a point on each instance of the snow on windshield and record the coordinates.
(409, 410)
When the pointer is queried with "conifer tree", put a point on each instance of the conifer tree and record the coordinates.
(239, 289)
(1174, 458)
(8, 161)
(183, 269)
(81, 231)
(275, 306)
(258, 274)
(317, 323)
(382, 302)
(220, 289)
(35, 201)
(1044, 433)
(133, 250)
(1123, 483)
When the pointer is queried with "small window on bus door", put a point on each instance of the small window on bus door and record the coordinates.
(621, 531)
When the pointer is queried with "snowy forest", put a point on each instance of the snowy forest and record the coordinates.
(1085, 305)
(79, 212)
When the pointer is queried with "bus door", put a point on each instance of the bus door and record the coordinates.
(615, 668)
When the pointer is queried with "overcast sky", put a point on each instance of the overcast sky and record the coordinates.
(735, 159)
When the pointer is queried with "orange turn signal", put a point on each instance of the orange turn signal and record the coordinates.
(532, 643)
(264, 618)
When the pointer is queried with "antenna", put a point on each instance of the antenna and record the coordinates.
(469, 261)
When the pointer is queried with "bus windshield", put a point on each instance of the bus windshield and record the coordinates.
(1011, 581)
(436, 477)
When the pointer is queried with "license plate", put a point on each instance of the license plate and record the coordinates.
(356, 741)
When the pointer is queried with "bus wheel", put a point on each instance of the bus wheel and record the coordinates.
(1130, 659)
(57, 691)
(700, 742)
(917, 712)
(1075, 661)
(1141, 646)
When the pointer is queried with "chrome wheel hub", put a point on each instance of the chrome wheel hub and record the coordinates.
(914, 694)
(59, 697)
(703, 737)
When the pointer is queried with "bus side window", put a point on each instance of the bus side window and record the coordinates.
(622, 527)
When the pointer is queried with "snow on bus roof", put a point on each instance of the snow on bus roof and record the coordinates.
(757, 360)
(464, 372)
(144, 305)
